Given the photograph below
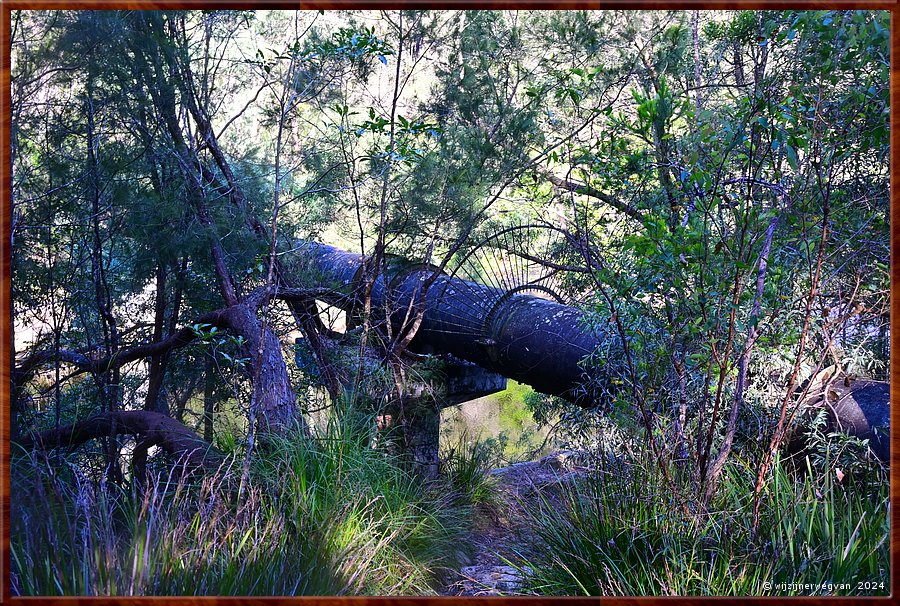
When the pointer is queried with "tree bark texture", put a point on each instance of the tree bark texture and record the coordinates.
(151, 427)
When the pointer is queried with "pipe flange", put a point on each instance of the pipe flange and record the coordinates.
(488, 336)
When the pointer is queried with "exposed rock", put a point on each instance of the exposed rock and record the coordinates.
(490, 580)
(566, 459)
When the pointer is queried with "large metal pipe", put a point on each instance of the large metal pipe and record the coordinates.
(521, 336)
(535, 341)
(532, 340)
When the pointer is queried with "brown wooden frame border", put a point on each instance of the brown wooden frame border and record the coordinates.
(5, 303)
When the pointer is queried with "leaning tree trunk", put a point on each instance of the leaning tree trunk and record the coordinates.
(150, 428)
(276, 403)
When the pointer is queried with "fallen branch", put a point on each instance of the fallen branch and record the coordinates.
(150, 427)
(26, 369)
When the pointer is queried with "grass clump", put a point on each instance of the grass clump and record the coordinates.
(324, 516)
(621, 532)
(466, 467)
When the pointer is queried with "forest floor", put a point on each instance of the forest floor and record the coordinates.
(502, 534)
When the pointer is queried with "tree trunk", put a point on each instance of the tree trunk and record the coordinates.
(107, 381)
(208, 400)
(276, 403)
(158, 362)
(154, 429)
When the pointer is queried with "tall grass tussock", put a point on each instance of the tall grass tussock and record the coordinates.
(328, 516)
(621, 532)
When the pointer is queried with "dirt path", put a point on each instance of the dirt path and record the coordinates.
(503, 535)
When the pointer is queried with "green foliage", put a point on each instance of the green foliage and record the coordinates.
(839, 453)
(619, 532)
(730, 178)
(466, 465)
(323, 517)
(513, 415)
(356, 44)
(505, 423)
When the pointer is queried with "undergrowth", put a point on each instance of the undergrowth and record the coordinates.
(333, 516)
(620, 532)
(466, 467)
(328, 516)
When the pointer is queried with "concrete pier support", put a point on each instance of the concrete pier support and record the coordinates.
(411, 426)
(414, 425)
